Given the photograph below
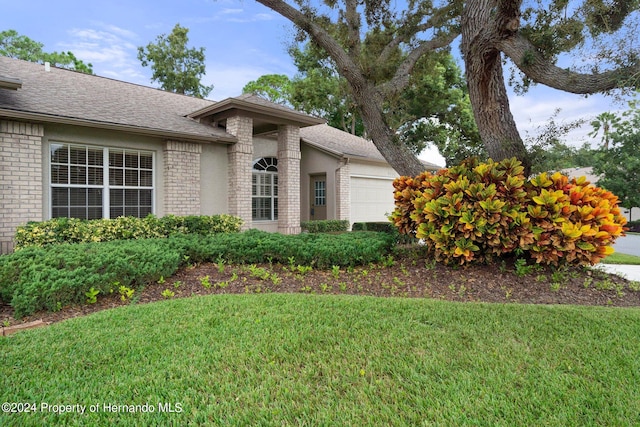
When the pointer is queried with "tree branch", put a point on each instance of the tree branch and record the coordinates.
(401, 78)
(527, 58)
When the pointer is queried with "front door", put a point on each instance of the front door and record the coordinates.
(318, 197)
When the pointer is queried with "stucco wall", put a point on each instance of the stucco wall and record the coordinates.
(214, 171)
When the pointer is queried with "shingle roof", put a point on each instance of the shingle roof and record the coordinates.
(345, 144)
(61, 95)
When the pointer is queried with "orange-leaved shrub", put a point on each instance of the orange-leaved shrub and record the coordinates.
(573, 221)
(477, 212)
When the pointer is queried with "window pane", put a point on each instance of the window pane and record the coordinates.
(78, 175)
(78, 212)
(94, 213)
(59, 153)
(78, 155)
(146, 161)
(59, 174)
(77, 197)
(95, 157)
(60, 212)
(116, 159)
(95, 176)
(115, 212)
(131, 160)
(131, 211)
(59, 197)
(117, 197)
(116, 177)
(131, 178)
(145, 198)
(146, 178)
(131, 197)
(94, 196)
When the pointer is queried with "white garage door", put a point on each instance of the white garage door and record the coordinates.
(371, 199)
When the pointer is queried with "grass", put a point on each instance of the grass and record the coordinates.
(331, 360)
(618, 258)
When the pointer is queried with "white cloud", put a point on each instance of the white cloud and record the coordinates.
(110, 49)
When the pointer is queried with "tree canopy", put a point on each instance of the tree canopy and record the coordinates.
(177, 68)
(363, 38)
(619, 163)
(14, 45)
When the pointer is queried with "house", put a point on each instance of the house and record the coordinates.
(78, 145)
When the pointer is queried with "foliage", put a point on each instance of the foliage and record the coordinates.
(73, 230)
(178, 69)
(479, 212)
(272, 87)
(619, 163)
(14, 45)
(325, 225)
(573, 221)
(49, 278)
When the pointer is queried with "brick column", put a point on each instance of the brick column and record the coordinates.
(343, 191)
(289, 179)
(240, 157)
(182, 178)
(21, 186)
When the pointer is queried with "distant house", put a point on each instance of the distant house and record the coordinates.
(78, 145)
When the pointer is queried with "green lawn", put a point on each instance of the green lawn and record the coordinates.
(618, 258)
(330, 360)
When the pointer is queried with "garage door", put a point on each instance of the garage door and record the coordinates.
(371, 199)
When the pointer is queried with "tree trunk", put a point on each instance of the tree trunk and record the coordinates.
(482, 28)
(396, 153)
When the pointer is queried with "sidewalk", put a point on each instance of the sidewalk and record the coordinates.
(629, 272)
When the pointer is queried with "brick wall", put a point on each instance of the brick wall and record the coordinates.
(289, 179)
(20, 178)
(343, 192)
(182, 178)
(240, 157)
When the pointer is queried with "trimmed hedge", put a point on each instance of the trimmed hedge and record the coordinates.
(325, 226)
(49, 278)
(72, 230)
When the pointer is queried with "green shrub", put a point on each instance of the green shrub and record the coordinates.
(477, 212)
(49, 278)
(325, 226)
(72, 230)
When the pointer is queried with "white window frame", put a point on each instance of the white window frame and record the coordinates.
(265, 167)
(106, 187)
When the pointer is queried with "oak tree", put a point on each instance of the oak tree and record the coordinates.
(177, 68)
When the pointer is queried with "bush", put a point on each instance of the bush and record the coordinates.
(325, 226)
(49, 278)
(476, 212)
(72, 230)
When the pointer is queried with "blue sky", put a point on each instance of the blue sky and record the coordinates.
(242, 39)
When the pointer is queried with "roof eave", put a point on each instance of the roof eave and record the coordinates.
(230, 104)
(47, 118)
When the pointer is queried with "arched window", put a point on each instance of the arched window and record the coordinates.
(264, 189)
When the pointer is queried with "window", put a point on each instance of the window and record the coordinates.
(95, 182)
(264, 189)
(320, 193)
